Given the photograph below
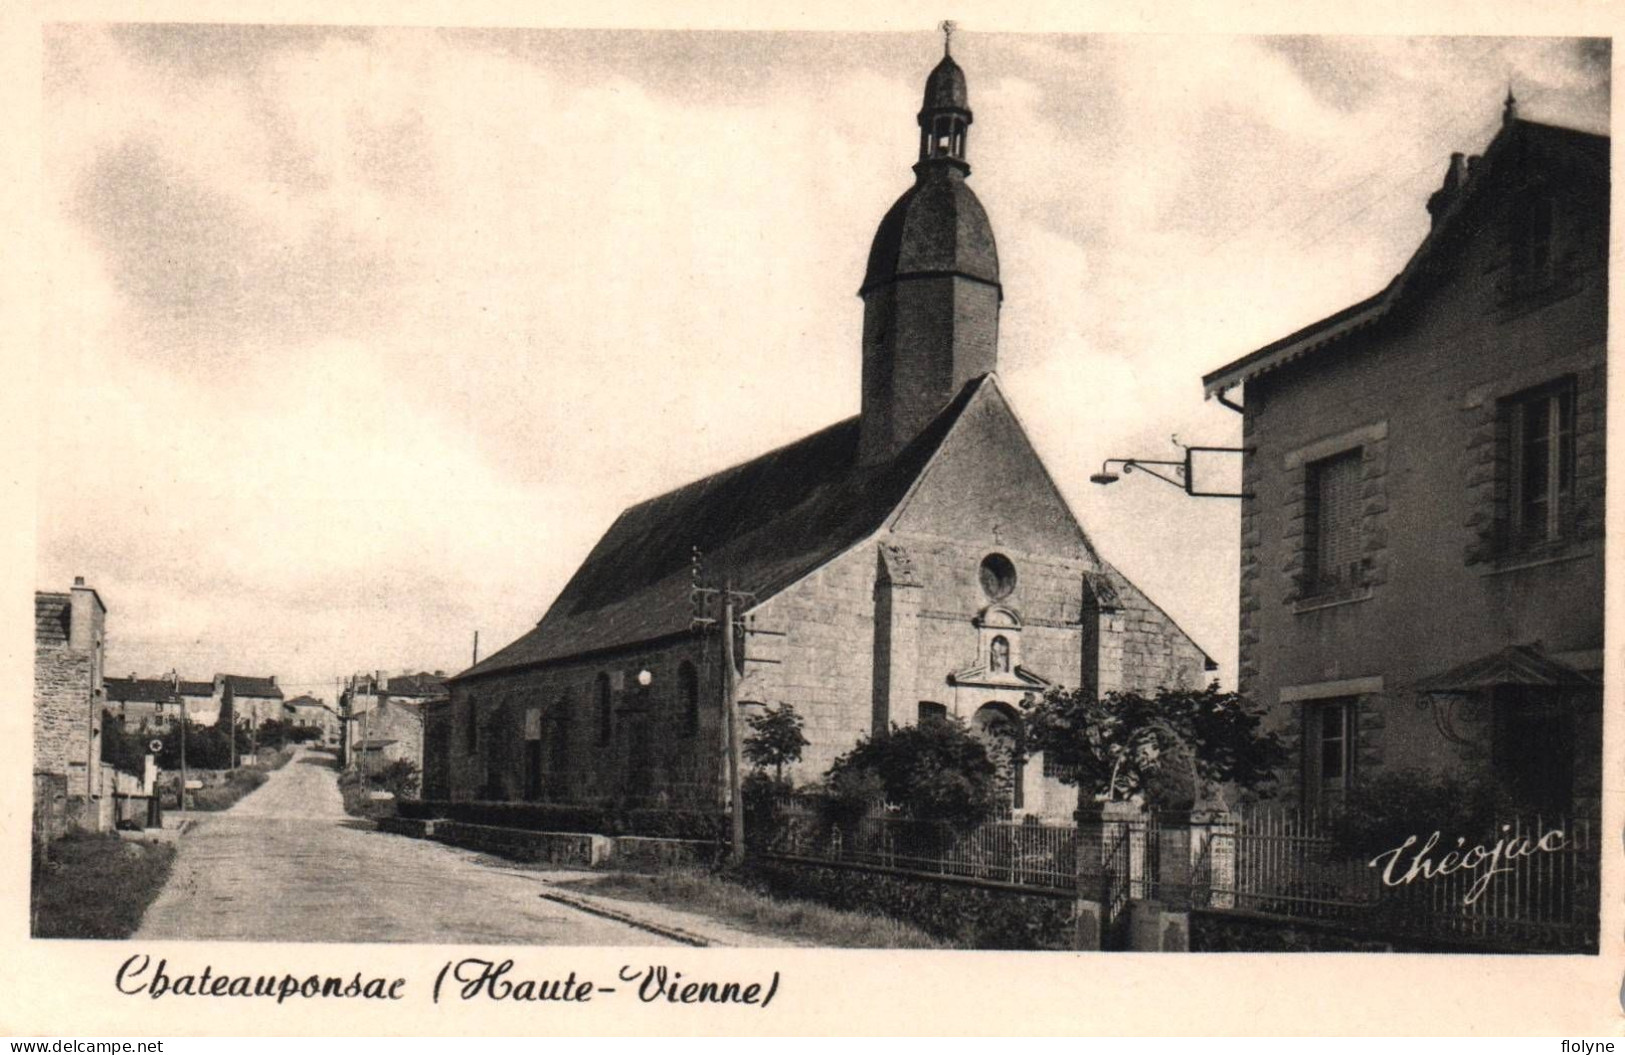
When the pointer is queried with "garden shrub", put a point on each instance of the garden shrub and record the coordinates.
(936, 771)
(1381, 813)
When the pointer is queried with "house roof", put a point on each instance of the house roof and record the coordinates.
(1589, 149)
(138, 690)
(51, 615)
(767, 522)
(197, 688)
(420, 684)
(241, 685)
(306, 702)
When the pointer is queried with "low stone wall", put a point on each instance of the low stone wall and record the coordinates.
(416, 829)
(580, 849)
(1235, 931)
(560, 848)
(642, 851)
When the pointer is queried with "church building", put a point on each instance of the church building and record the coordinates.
(913, 562)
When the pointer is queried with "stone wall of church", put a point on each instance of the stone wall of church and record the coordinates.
(812, 645)
(661, 745)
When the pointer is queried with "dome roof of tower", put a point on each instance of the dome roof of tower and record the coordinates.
(945, 88)
(937, 226)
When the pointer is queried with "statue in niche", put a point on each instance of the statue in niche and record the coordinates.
(998, 661)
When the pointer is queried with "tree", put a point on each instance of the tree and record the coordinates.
(1113, 748)
(936, 770)
(775, 740)
(125, 750)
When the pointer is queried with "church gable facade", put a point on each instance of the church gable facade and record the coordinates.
(913, 563)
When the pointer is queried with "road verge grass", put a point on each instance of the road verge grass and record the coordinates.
(717, 895)
(96, 886)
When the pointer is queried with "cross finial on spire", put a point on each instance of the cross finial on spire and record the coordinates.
(1509, 110)
(947, 26)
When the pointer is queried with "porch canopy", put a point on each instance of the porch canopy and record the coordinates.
(1521, 665)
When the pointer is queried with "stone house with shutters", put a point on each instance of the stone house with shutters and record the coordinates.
(1422, 545)
(70, 641)
(908, 563)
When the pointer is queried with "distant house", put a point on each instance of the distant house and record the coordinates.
(69, 695)
(142, 704)
(250, 699)
(309, 711)
(150, 703)
(1422, 541)
(384, 717)
(202, 701)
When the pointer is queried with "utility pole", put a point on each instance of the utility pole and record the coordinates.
(180, 704)
(730, 703)
(476, 648)
(731, 601)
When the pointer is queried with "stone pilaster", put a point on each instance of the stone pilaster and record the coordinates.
(897, 638)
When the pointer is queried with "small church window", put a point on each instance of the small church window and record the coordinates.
(998, 660)
(998, 576)
(930, 711)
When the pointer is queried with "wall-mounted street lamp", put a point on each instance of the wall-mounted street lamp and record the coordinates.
(1179, 473)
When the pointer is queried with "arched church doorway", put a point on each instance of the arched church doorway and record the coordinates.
(999, 726)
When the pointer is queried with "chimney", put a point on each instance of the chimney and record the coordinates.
(86, 617)
(273, 681)
(1455, 178)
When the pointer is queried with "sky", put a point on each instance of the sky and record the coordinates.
(356, 339)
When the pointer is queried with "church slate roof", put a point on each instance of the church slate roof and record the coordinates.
(945, 88)
(765, 523)
(938, 226)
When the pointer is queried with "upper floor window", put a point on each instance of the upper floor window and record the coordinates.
(1540, 448)
(1333, 560)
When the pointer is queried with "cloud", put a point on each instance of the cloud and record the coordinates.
(359, 337)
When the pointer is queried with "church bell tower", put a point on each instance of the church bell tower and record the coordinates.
(931, 292)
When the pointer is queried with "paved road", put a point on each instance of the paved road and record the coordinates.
(287, 864)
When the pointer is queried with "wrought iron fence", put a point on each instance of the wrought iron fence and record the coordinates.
(1023, 854)
(1532, 884)
(1279, 862)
